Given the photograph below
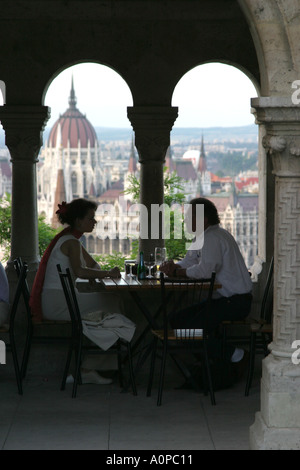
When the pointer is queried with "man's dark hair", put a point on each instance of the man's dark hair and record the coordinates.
(210, 210)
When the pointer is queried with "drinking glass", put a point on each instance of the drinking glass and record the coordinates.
(160, 256)
(150, 264)
(129, 263)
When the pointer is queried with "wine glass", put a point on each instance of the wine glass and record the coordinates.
(160, 256)
(150, 264)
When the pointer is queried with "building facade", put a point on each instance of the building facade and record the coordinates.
(70, 162)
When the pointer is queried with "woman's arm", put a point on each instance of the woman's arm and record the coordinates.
(72, 249)
(89, 260)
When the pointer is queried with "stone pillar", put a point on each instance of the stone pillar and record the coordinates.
(277, 424)
(152, 127)
(23, 126)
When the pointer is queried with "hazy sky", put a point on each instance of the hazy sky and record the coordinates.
(209, 95)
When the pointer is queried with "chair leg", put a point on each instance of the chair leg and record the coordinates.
(152, 366)
(185, 371)
(162, 373)
(208, 374)
(16, 363)
(77, 375)
(251, 363)
(67, 366)
(120, 368)
(132, 379)
(224, 339)
(27, 350)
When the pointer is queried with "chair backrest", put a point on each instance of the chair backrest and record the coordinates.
(19, 265)
(178, 294)
(266, 310)
(22, 270)
(70, 296)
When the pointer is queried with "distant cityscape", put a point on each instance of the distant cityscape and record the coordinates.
(95, 162)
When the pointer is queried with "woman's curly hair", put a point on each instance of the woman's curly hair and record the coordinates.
(77, 209)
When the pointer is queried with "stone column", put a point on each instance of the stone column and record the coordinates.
(23, 126)
(277, 424)
(152, 127)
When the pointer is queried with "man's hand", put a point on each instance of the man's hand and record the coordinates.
(168, 268)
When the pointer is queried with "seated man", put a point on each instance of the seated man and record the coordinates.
(215, 249)
(4, 296)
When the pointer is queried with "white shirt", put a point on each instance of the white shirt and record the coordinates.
(220, 253)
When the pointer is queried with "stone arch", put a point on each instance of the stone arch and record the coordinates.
(275, 31)
(237, 66)
(60, 70)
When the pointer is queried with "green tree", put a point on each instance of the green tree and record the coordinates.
(174, 197)
(110, 261)
(45, 231)
(5, 225)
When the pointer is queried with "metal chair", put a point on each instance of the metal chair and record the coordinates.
(77, 343)
(33, 327)
(177, 294)
(9, 329)
(261, 330)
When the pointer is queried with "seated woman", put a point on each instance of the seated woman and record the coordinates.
(47, 299)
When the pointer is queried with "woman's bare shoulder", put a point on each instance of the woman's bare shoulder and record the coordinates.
(69, 244)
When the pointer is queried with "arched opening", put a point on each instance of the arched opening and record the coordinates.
(90, 140)
(103, 95)
(215, 136)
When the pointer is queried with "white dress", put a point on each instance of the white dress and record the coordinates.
(102, 320)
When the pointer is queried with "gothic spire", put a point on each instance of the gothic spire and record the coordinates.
(72, 97)
(202, 159)
(169, 160)
(132, 165)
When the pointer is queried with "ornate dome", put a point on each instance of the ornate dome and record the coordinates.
(72, 126)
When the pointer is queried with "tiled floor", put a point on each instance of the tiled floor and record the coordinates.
(101, 417)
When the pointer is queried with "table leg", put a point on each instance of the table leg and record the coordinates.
(152, 324)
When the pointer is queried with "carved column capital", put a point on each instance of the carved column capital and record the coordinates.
(281, 120)
(273, 143)
(23, 126)
(152, 126)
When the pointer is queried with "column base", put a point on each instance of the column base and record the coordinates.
(261, 437)
(277, 424)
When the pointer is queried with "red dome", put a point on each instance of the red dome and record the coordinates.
(74, 127)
